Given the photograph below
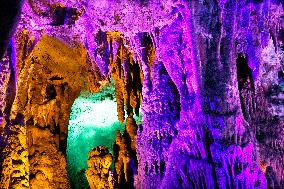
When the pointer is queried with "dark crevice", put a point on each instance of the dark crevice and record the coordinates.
(50, 92)
(244, 72)
(59, 14)
(9, 14)
(56, 78)
(11, 89)
(245, 81)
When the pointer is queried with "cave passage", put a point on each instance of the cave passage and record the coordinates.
(93, 121)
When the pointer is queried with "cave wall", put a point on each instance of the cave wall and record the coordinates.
(207, 74)
(10, 13)
(35, 127)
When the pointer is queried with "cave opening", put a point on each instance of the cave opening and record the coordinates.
(93, 122)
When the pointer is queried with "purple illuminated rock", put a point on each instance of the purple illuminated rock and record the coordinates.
(213, 83)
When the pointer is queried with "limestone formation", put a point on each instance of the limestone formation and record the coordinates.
(98, 172)
(122, 162)
(207, 75)
(131, 132)
(40, 112)
(126, 73)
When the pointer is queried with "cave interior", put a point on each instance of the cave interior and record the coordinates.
(145, 94)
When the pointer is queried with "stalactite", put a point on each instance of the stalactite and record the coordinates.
(95, 77)
(160, 114)
(211, 118)
(127, 76)
(118, 76)
(40, 114)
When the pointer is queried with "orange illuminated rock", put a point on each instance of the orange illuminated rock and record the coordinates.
(127, 76)
(131, 131)
(125, 161)
(98, 172)
(51, 77)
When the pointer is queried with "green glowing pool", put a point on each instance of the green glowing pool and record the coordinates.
(93, 121)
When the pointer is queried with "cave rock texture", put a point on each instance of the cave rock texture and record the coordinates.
(207, 75)
(99, 161)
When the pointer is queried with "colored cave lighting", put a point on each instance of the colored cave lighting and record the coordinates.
(93, 122)
(207, 75)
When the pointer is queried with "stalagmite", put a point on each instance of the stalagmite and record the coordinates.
(40, 114)
(206, 75)
(98, 172)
